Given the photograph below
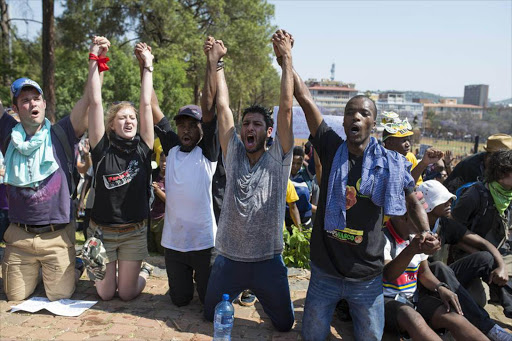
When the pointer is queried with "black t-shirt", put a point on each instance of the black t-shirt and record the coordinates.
(122, 183)
(450, 231)
(468, 170)
(357, 252)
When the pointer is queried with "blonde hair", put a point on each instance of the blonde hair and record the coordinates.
(112, 112)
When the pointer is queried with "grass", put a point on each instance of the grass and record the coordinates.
(458, 148)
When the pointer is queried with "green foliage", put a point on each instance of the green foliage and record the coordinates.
(296, 248)
(176, 30)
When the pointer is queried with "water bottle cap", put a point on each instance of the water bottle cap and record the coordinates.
(225, 297)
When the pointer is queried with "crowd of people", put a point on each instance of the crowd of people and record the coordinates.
(384, 238)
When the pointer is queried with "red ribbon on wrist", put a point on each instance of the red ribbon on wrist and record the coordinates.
(102, 62)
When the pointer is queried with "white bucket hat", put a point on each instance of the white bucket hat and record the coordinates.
(434, 194)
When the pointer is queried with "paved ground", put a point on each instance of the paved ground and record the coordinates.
(152, 317)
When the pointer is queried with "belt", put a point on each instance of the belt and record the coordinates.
(122, 227)
(38, 229)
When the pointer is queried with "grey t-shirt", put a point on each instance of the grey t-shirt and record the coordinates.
(251, 220)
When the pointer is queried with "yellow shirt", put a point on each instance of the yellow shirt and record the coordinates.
(291, 195)
(412, 159)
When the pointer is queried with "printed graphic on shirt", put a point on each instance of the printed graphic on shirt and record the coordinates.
(347, 235)
(117, 180)
(351, 199)
(405, 283)
(358, 188)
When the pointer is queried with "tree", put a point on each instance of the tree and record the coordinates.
(48, 52)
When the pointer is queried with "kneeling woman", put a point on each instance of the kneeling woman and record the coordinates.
(121, 160)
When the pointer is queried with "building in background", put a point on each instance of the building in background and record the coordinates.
(476, 94)
(330, 96)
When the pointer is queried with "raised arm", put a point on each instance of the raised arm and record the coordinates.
(80, 113)
(155, 106)
(96, 126)
(303, 96)
(224, 115)
(146, 90)
(210, 81)
(283, 42)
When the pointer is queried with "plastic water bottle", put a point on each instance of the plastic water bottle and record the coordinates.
(223, 320)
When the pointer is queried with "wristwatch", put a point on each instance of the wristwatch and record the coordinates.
(149, 68)
(441, 284)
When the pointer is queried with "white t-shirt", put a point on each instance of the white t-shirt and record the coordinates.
(406, 283)
(189, 223)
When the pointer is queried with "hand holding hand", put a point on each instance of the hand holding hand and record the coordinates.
(450, 298)
(99, 46)
(431, 156)
(217, 51)
(208, 44)
(276, 50)
(145, 53)
(430, 244)
(283, 43)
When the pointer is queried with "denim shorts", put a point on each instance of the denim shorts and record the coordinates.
(131, 245)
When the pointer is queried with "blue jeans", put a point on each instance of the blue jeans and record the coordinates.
(365, 299)
(267, 279)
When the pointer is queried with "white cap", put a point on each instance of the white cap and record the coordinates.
(434, 194)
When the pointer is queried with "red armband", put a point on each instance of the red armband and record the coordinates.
(102, 62)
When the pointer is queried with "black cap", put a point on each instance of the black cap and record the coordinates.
(191, 110)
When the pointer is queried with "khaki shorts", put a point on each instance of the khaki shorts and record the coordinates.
(131, 245)
(26, 253)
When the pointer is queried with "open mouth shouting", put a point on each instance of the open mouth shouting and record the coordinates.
(250, 141)
(355, 129)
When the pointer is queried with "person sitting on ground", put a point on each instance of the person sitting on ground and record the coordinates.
(484, 260)
(122, 164)
(158, 208)
(485, 208)
(433, 304)
(396, 136)
(472, 168)
(250, 233)
(189, 227)
(41, 233)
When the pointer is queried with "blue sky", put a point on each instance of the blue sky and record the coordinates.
(433, 46)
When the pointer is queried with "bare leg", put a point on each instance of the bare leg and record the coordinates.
(131, 281)
(458, 325)
(411, 321)
(106, 288)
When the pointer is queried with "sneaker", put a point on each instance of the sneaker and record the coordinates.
(146, 268)
(497, 333)
(94, 256)
(247, 298)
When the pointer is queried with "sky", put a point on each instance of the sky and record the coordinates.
(432, 46)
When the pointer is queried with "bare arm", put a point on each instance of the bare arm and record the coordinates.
(210, 81)
(394, 268)
(96, 125)
(224, 115)
(146, 90)
(294, 213)
(284, 118)
(303, 96)
(80, 114)
(499, 275)
(155, 106)
(158, 191)
(417, 213)
(431, 156)
(430, 282)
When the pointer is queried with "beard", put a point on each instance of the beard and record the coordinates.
(260, 144)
